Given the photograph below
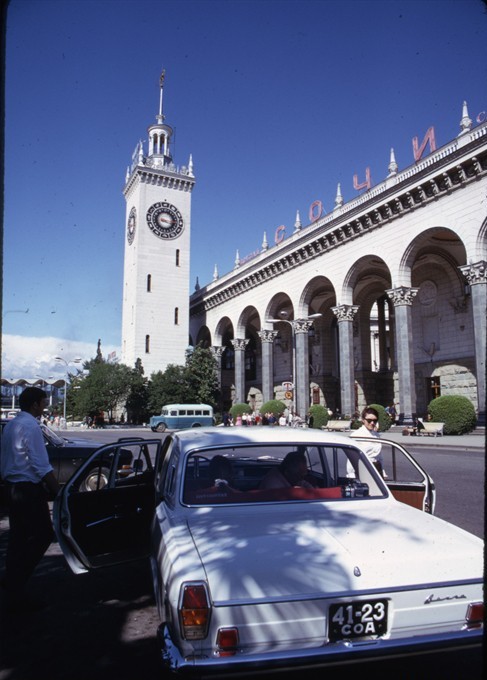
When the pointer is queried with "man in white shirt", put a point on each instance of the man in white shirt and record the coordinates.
(370, 428)
(29, 480)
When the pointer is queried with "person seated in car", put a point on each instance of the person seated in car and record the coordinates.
(221, 474)
(291, 472)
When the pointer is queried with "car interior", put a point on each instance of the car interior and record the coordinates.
(260, 474)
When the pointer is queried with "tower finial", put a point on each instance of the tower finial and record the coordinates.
(160, 116)
(338, 197)
(297, 223)
(466, 122)
(392, 167)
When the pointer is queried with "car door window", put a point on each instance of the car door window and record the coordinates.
(397, 466)
(111, 522)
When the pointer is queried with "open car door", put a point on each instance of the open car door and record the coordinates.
(110, 523)
(406, 479)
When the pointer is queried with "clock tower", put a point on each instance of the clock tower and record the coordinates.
(155, 312)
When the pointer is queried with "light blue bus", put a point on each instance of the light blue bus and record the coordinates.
(182, 417)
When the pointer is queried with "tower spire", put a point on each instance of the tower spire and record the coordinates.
(466, 122)
(160, 116)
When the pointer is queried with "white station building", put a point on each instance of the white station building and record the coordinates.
(383, 300)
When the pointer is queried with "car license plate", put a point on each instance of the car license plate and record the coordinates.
(356, 619)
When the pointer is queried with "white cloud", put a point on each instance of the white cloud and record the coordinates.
(27, 357)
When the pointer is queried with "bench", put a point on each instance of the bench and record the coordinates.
(430, 428)
(338, 425)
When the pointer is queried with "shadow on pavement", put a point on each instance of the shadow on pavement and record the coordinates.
(97, 625)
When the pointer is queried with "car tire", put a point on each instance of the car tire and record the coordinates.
(90, 482)
(161, 427)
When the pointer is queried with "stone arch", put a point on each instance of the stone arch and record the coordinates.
(319, 296)
(248, 325)
(481, 243)
(204, 337)
(223, 336)
(436, 241)
(280, 302)
(248, 317)
(223, 328)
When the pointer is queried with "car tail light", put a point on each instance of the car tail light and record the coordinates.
(227, 641)
(194, 611)
(475, 615)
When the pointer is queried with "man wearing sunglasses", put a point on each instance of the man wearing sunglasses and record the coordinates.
(370, 428)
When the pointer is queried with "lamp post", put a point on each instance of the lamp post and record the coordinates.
(302, 325)
(66, 363)
(44, 384)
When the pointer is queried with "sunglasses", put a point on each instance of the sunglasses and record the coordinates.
(370, 420)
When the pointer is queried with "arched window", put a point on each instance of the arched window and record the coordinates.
(177, 257)
(176, 316)
(147, 344)
(149, 283)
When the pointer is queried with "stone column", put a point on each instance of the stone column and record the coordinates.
(267, 340)
(476, 275)
(217, 352)
(301, 365)
(345, 315)
(381, 320)
(402, 299)
(239, 346)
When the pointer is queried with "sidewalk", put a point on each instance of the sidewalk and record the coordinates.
(473, 440)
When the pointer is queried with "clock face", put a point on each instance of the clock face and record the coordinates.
(165, 220)
(131, 225)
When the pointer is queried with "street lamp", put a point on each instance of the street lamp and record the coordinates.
(295, 323)
(44, 384)
(66, 363)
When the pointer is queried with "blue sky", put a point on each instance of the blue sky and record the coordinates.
(276, 100)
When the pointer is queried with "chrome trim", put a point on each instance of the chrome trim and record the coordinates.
(355, 594)
(338, 653)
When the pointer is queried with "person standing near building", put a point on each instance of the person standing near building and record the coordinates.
(370, 428)
(29, 481)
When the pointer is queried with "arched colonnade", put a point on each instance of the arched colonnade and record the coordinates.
(395, 283)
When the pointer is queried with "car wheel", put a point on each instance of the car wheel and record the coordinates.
(161, 427)
(95, 479)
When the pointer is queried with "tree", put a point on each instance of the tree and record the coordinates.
(166, 387)
(201, 376)
(196, 382)
(137, 399)
(101, 390)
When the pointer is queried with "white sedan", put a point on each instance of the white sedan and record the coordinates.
(279, 548)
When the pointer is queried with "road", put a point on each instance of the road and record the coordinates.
(459, 479)
(101, 626)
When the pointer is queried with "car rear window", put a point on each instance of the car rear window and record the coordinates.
(263, 473)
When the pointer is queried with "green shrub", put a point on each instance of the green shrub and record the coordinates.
(384, 421)
(239, 410)
(275, 406)
(319, 415)
(456, 411)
